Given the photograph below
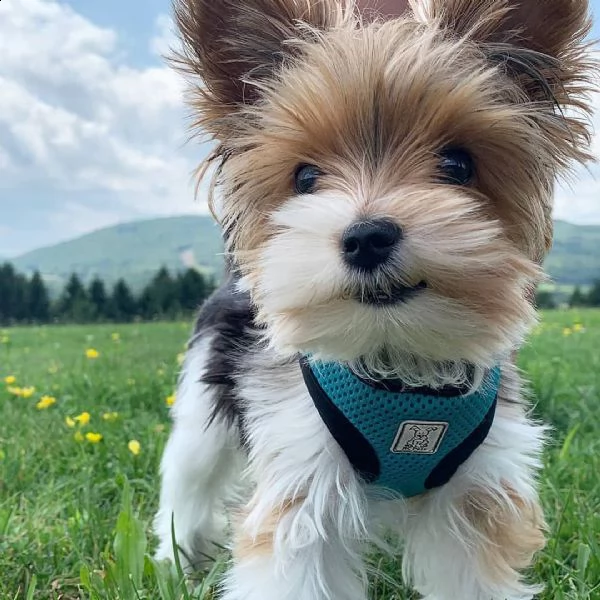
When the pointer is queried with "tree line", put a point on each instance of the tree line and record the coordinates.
(578, 298)
(26, 299)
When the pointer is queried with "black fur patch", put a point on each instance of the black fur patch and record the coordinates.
(228, 317)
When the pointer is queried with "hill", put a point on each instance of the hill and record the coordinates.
(136, 250)
(133, 251)
(575, 255)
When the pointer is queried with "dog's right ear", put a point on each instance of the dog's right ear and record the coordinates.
(231, 47)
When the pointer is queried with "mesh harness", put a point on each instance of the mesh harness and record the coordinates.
(409, 440)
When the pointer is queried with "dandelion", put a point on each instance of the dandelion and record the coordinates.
(111, 417)
(83, 418)
(27, 392)
(45, 402)
(567, 331)
(93, 438)
(170, 400)
(578, 328)
(70, 422)
(15, 391)
(10, 380)
(78, 436)
(134, 447)
(115, 337)
(92, 353)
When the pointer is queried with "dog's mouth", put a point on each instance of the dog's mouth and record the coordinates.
(390, 295)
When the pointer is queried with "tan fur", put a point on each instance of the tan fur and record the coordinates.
(511, 531)
(248, 546)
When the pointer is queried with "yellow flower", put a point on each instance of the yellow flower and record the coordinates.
(578, 327)
(15, 391)
(134, 447)
(70, 422)
(45, 402)
(110, 416)
(93, 438)
(78, 436)
(10, 380)
(170, 400)
(567, 331)
(83, 418)
(91, 353)
(27, 392)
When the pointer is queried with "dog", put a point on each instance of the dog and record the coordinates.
(385, 193)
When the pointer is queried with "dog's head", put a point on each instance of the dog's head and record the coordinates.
(386, 188)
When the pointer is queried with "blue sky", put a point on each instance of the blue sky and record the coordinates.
(92, 127)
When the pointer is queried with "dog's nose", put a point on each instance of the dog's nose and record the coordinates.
(368, 244)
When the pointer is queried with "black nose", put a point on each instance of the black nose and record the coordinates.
(368, 244)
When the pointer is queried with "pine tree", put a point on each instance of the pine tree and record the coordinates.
(193, 290)
(74, 304)
(578, 298)
(123, 307)
(593, 296)
(544, 299)
(38, 300)
(98, 299)
(160, 296)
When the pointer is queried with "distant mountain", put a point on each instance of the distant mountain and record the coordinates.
(133, 251)
(136, 250)
(575, 255)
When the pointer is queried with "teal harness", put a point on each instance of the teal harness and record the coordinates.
(409, 440)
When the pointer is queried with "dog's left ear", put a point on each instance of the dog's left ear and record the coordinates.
(541, 43)
(230, 48)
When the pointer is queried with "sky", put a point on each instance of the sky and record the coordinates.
(93, 126)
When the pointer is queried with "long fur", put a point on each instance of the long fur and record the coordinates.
(282, 83)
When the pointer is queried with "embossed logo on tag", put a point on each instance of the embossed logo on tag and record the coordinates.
(419, 437)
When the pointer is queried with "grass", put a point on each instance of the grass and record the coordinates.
(75, 514)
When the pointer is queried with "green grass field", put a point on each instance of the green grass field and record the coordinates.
(75, 509)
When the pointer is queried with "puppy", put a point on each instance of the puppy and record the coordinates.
(385, 192)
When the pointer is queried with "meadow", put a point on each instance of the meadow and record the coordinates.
(84, 419)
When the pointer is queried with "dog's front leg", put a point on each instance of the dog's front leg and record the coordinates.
(300, 536)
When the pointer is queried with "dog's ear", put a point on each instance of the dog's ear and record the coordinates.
(539, 42)
(231, 47)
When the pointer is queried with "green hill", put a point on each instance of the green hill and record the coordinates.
(133, 251)
(136, 250)
(575, 256)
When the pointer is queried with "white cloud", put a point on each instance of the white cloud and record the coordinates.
(578, 200)
(165, 39)
(74, 116)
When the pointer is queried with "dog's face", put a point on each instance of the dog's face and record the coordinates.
(386, 187)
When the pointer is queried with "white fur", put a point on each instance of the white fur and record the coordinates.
(200, 466)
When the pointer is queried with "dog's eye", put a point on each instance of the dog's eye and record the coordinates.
(305, 179)
(456, 166)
